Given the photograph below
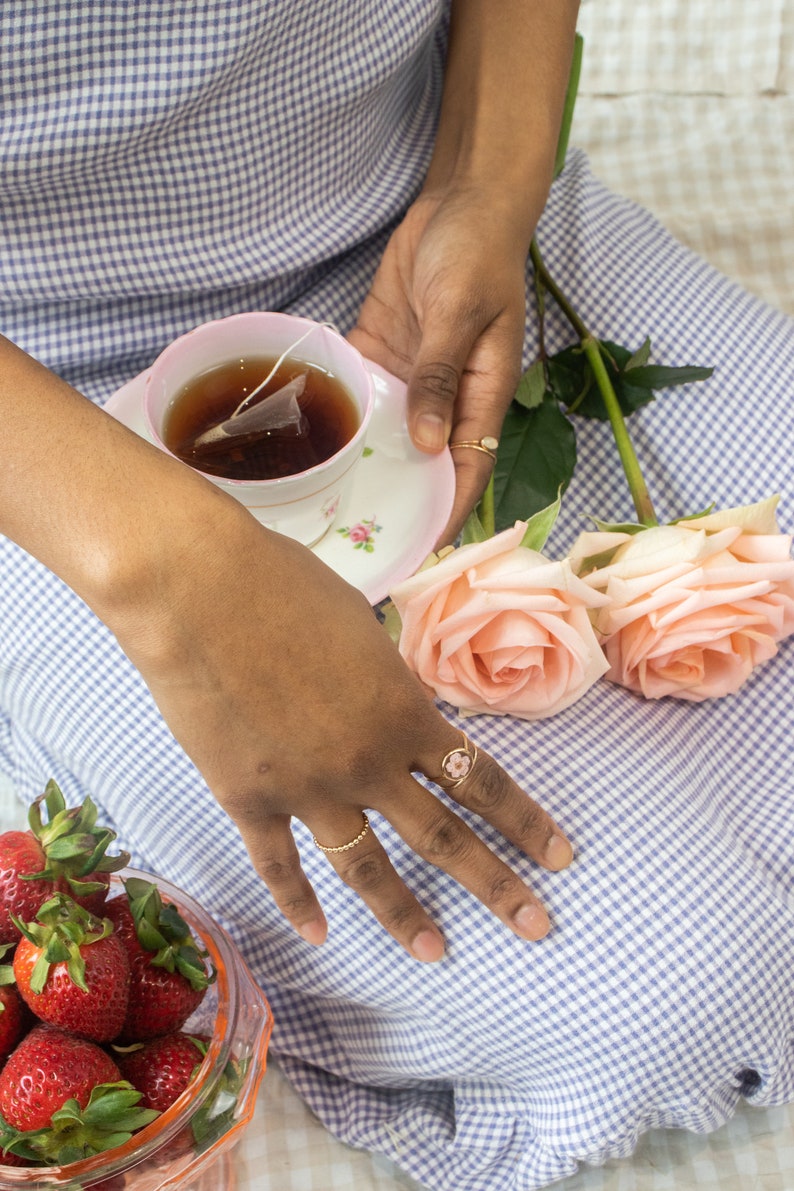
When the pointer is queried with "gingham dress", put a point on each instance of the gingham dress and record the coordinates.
(165, 164)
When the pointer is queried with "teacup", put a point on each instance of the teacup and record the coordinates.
(302, 504)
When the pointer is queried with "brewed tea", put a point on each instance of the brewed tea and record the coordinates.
(329, 419)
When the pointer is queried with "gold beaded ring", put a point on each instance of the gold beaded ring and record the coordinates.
(353, 842)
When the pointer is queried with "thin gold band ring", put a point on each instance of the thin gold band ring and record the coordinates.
(488, 445)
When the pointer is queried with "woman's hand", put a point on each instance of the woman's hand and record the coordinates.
(446, 310)
(446, 313)
(291, 699)
(272, 673)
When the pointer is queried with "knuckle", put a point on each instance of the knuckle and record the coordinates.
(366, 873)
(364, 763)
(295, 908)
(447, 839)
(245, 804)
(437, 382)
(276, 870)
(534, 821)
(399, 916)
(501, 888)
(493, 789)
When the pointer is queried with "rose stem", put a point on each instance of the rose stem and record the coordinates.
(592, 349)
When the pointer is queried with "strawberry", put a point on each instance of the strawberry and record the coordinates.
(48, 1068)
(168, 976)
(66, 854)
(20, 858)
(62, 1099)
(15, 1017)
(72, 970)
(14, 1160)
(162, 1068)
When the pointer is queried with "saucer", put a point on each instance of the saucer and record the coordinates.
(398, 504)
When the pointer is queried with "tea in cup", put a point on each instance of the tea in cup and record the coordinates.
(272, 408)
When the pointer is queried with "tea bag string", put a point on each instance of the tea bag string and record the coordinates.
(246, 401)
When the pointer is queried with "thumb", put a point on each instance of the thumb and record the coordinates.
(434, 383)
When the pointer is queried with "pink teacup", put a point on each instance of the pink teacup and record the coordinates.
(301, 505)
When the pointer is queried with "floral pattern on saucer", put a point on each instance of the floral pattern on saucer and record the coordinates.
(362, 534)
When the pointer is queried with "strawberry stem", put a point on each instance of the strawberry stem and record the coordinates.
(73, 844)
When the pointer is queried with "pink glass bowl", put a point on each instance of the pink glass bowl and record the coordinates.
(189, 1145)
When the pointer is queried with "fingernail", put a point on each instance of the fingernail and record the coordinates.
(430, 431)
(313, 932)
(559, 852)
(531, 922)
(428, 946)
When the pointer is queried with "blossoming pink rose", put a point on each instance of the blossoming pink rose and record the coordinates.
(693, 607)
(497, 628)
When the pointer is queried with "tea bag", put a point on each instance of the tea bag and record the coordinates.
(279, 415)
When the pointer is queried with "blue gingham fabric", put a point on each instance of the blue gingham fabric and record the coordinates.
(664, 993)
(161, 165)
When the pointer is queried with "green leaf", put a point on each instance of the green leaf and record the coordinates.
(473, 530)
(573, 383)
(76, 968)
(540, 525)
(392, 621)
(149, 936)
(569, 375)
(658, 376)
(695, 516)
(629, 527)
(188, 963)
(634, 380)
(596, 562)
(532, 386)
(139, 890)
(68, 847)
(632, 397)
(38, 977)
(537, 457)
(641, 356)
(171, 923)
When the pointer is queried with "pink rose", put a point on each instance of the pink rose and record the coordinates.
(497, 628)
(358, 533)
(694, 606)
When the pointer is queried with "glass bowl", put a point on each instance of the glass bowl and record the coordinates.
(189, 1145)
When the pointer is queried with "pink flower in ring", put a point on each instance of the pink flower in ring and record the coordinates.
(458, 765)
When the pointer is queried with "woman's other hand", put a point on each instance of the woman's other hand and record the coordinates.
(293, 702)
(446, 310)
(446, 313)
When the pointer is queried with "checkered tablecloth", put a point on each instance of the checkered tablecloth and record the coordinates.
(649, 141)
(687, 108)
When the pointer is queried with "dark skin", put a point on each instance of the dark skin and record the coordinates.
(284, 720)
